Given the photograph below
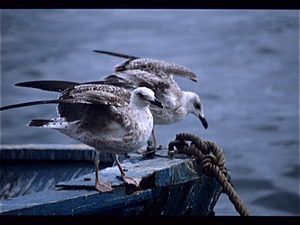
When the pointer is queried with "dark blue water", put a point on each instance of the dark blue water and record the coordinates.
(247, 63)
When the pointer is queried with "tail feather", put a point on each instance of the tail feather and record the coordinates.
(60, 124)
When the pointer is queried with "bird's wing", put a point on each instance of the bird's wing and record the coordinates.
(59, 86)
(143, 79)
(41, 102)
(48, 85)
(103, 115)
(116, 54)
(98, 94)
(83, 100)
(155, 67)
(97, 98)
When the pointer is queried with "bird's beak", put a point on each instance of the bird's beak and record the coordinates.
(157, 103)
(203, 121)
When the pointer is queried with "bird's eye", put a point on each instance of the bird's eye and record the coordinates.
(197, 105)
(141, 95)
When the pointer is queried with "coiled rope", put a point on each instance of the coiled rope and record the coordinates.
(212, 165)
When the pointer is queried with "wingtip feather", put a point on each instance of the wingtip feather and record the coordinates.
(38, 122)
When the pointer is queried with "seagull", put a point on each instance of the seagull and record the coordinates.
(158, 76)
(108, 118)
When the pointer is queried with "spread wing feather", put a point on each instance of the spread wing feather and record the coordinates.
(155, 67)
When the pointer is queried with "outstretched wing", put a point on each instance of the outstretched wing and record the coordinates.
(116, 54)
(84, 101)
(59, 86)
(48, 85)
(155, 67)
(143, 79)
(41, 102)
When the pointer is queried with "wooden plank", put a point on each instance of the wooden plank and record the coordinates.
(135, 166)
(169, 187)
(71, 202)
(32, 168)
(77, 152)
(26, 177)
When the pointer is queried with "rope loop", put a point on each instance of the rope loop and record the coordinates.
(199, 149)
(212, 163)
(209, 165)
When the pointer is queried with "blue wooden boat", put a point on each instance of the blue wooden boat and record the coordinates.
(59, 180)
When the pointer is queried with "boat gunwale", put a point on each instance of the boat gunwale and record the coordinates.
(53, 152)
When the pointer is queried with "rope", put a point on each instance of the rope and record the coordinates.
(212, 165)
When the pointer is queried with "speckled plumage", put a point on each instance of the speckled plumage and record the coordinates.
(108, 118)
(158, 76)
(104, 117)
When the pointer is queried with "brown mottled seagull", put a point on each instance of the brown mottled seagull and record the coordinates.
(158, 76)
(108, 118)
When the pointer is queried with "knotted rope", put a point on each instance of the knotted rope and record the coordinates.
(212, 165)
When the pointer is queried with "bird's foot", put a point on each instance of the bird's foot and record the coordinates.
(103, 187)
(130, 180)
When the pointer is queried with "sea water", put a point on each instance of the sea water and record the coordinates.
(247, 63)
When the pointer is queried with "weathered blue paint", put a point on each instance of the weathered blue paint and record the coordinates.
(78, 152)
(169, 187)
(32, 168)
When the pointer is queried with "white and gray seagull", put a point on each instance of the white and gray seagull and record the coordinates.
(158, 76)
(108, 118)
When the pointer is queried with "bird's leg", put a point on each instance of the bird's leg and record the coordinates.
(101, 187)
(155, 142)
(154, 138)
(128, 180)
